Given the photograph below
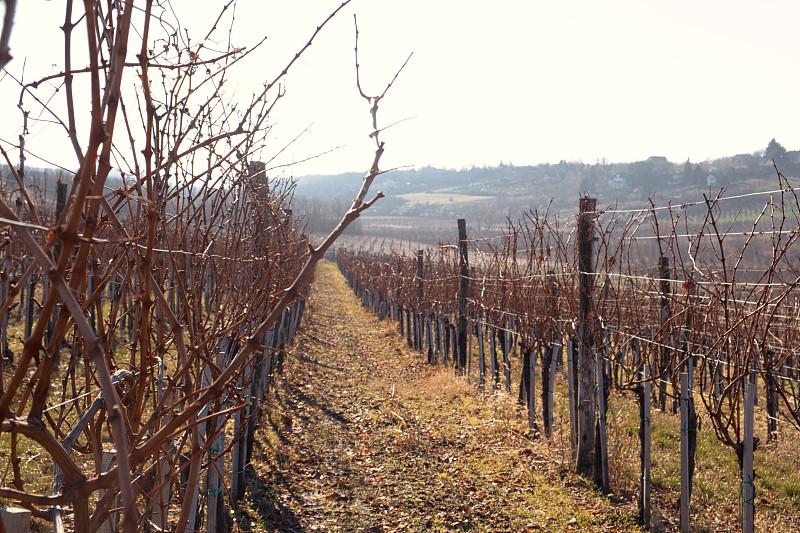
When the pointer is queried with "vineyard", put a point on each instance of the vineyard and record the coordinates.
(691, 315)
(148, 298)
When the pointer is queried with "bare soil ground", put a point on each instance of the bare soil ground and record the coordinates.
(362, 435)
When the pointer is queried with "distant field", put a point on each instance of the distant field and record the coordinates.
(440, 198)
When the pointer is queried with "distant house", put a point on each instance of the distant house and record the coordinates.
(793, 156)
(675, 179)
(744, 160)
(711, 181)
(618, 182)
(658, 160)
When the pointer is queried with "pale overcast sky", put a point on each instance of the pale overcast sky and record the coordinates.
(523, 82)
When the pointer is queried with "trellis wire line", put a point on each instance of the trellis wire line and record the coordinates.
(698, 355)
(632, 370)
(712, 234)
(682, 281)
(126, 243)
(690, 204)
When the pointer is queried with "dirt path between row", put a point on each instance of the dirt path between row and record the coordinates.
(362, 435)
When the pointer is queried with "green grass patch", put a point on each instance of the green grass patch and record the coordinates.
(440, 198)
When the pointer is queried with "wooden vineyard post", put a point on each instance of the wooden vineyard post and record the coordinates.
(532, 385)
(463, 294)
(439, 350)
(216, 472)
(506, 346)
(61, 198)
(15, 519)
(258, 386)
(586, 367)
(206, 380)
(298, 316)
(446, 342)
(493, 359)
(401, 320)
(771, 390)
(420, 294)
(601, 418)
(106, 463)
(412, 328)
(408, 328)
(548, 421)
(645, 435)
(685, 488)
(160, 504)
(748, 487)
(481, 356)
(280, 344)
(531, 380)
(30, 303)
(246, 416)
(237, 462)
(164, 474)
(546, 355)
(454, 345)
(573, 418)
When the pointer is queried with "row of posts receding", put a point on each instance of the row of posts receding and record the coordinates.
(590, 368)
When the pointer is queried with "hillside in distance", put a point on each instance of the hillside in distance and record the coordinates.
(487, 196)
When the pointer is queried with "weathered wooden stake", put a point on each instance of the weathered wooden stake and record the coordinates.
(439, 340)
(481, 357)
(216, 473)
(463, 294)
(506, 347)
(408, 329)
(644, 495)
(15, 519)
(530, 369)
(420, 294)
(493, 359)
(601, 417)
(106, 462)
(586, 366)
(748, 487)
(237, 464)
(29, 304)
(535, 346)
(548, 421)
(685, 488)
(401, 320)
(771, 390)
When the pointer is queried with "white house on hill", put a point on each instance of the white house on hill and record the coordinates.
(618, 182)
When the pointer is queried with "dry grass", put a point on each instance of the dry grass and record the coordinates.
(377, 440)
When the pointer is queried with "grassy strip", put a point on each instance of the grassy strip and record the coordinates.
(376, 440)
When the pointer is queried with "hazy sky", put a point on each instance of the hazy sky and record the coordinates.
(522, 82)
